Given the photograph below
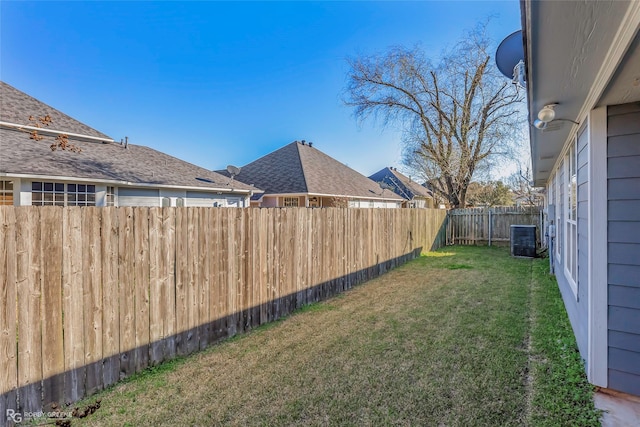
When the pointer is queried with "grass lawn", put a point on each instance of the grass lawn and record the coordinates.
(462, 336)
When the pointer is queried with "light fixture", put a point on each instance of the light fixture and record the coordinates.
(548, 113)
(539, 124)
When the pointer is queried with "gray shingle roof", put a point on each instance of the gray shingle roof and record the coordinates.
(298, 168)
(97, 161)
(402, 185)
(17, 106)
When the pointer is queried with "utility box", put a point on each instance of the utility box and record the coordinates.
(523, 241)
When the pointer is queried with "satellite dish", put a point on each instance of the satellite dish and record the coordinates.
(233, 170)
(386, 186)
(510, 53)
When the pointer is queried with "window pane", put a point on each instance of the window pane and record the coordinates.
(82, 188)
(59, 197)
(59, 187)
(91, 197)
(82, 197)
(8, 185)
(71, 188)
(91, 188)
(36, 197)
(71, 197)
(36, 186)
(48, 197)
(48, 186)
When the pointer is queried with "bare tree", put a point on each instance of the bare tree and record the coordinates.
(523, 190)
(458, 116)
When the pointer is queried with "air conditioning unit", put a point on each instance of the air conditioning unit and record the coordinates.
(523, 241)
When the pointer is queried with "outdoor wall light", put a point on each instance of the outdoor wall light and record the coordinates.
(546, 115)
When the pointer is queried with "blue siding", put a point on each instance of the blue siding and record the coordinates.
(623, 236)
(577, 305)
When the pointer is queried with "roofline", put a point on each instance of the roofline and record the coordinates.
(53, 131)
(331, 195)
(128, 183)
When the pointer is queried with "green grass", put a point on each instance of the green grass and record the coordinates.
(561, 393)
(442, 340)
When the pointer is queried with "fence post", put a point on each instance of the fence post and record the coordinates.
(490, 226)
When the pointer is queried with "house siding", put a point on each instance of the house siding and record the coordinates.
(577, 304)
(138, 197)
(623, 244)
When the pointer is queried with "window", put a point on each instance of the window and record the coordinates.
(559, 210)
(290, 202)
(60, 194)
(6, 192)
(110, 196)
(81, 195)
(571, 230)
(47, 194)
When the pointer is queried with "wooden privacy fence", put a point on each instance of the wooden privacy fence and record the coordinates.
(487, 226)
(92, 295)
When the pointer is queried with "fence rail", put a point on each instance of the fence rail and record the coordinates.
(92, 295)
(487, 226)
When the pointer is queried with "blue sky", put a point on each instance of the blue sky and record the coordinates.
(217, 83)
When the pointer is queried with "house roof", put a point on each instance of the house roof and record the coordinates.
(580, 55)
(401, 184)
(16, 107)
(97, 161)
(299, 168)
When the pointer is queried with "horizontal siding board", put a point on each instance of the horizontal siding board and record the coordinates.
(624, 124)
(583, 194)
(623, 146)
(583, 211)
(631, 107)
(138, 197)
(624, 210)
(624, 189)
(625, 275)
(624, 340)
(583, 158)
(624, 381)
(624, 319)
(624, 296)
(624, 167)
(624, 360)
(624, 232)
(623, 253)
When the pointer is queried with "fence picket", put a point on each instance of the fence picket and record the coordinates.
(97, 294)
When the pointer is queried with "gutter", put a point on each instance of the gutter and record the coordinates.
(54, 132)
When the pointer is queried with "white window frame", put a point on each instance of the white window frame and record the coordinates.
(111, 196)
(60, 196)
(6, 193)
(570, 234)
(559, 211)
(291, 202)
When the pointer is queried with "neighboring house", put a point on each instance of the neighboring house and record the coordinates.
(585, 57)
(299, 174)
(414, 194)
(104, 173)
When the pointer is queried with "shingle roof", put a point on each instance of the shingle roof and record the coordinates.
(17, 106)
(300, 168)
(97, 161)
(401, 184)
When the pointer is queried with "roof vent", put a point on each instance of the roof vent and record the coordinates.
(310, 144)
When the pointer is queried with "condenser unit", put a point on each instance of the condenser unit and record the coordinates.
(523, 241)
